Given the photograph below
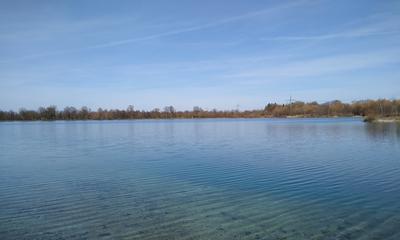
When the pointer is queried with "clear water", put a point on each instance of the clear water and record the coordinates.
(200, 179)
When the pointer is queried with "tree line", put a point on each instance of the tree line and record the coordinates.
(370, 108)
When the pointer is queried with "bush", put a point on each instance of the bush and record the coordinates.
(369, 119)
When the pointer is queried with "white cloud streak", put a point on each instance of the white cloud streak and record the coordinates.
(321, 66)
(263, 12)
(207, 25)
(334, 36)
(386, 25)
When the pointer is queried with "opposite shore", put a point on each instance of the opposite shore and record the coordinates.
(381, 110)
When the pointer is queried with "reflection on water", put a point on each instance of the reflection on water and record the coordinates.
(200, 179)
(384, 130)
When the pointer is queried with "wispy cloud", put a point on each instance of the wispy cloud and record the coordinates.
(350, 34)
(220, 22)
(382, 25)
(44, 30)
(320, 66)
(242, 70)
(207, 25)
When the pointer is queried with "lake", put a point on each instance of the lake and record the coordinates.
(200, 179)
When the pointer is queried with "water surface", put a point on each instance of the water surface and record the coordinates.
(200, 179)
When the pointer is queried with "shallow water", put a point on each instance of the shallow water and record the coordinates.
(200, 179)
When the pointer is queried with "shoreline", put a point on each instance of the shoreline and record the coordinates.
(368, 109)
(205, 118)
(384, 120)
(366, 119)
(373, 119)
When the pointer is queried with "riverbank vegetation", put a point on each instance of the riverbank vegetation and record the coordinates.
(369, 109)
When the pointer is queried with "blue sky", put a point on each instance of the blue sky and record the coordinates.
(213, 54)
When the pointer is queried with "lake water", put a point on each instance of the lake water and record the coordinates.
(200, 179)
